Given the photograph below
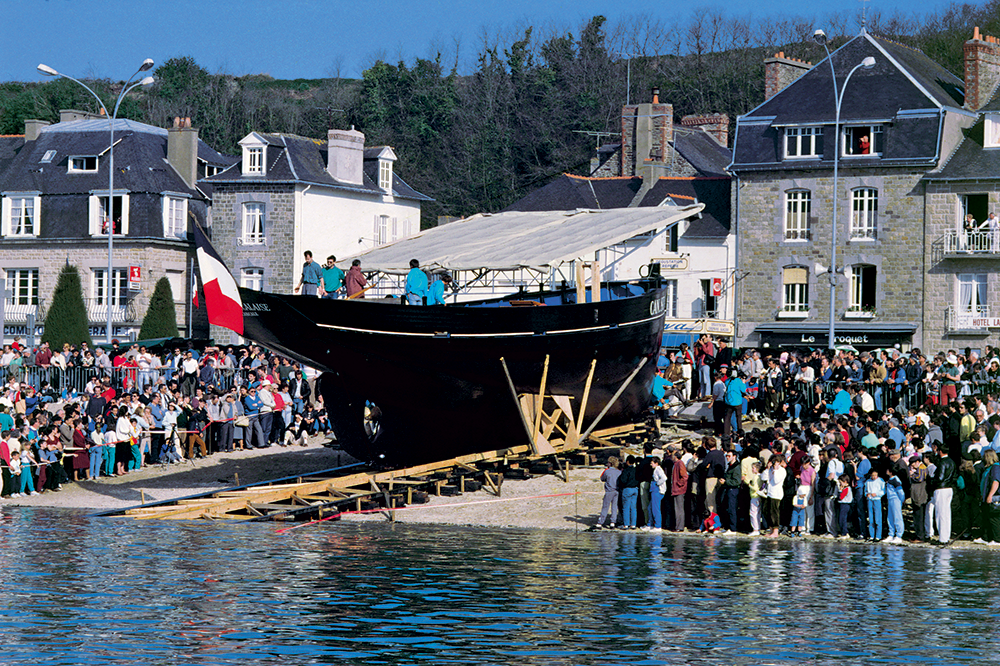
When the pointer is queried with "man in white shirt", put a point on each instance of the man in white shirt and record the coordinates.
(189, 378)
(266, 409)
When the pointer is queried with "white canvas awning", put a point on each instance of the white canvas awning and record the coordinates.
(511, 240)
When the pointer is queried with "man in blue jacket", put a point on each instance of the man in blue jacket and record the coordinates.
(416, 284)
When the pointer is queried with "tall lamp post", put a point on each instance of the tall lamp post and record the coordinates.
(838, 95)
(147, 64)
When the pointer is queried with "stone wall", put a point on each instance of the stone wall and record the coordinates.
(897, 253)
(944, 214)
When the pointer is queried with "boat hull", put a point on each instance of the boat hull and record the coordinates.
(435, 373)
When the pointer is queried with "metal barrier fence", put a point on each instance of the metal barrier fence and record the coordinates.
(125, 379)
(898, 396)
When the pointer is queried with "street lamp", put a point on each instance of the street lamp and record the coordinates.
(147, 64)
(838, 95)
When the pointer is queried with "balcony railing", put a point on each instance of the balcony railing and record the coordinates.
(972, 242)
(97, 311)
(17, 313)
(963, 318)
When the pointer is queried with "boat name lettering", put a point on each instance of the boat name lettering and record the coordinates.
(658, 306)
(256, 307)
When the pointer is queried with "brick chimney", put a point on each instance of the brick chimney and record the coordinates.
(647, 130)
(982, 69)
(182, 150)
(780, 71)
(716, 124)
(32, 128)
(346, 155)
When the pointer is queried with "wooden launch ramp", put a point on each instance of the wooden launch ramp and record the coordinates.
(554, 434)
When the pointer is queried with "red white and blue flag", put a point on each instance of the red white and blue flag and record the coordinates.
(222, 297)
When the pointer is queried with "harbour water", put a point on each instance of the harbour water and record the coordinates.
(84, 590)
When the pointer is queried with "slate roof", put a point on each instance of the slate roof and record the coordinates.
(704, 153)
(297, 159)
(971, 160)
(905, 90)
(569, 192)
(140, 160)
(9, 147)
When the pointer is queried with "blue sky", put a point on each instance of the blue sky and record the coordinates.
(317, 38)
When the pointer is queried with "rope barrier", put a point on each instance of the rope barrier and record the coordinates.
(435, 506)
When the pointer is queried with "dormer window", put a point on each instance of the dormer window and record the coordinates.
(83, 164)
(803, 142)
(385, 175)
(863, 140)
(992, 136)
(253, 160)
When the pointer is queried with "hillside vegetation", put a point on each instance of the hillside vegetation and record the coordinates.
(528, 111)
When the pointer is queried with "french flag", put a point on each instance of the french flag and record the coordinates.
(222, 297)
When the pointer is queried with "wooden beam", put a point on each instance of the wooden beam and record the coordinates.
(540, 400)
(581, 294)
(586, 395)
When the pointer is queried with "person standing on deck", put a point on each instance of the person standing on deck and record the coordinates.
(416, 284)
(435, 295)
(311, 275)
(354, 281)
(333, 278)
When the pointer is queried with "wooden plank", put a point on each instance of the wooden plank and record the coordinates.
(586, 395)
(540, 399)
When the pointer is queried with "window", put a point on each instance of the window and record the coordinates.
(992, 131)
(803, 142)
(972, 292)
(83, 164)
(671, 238)
(382, 229)
(864, 214)
(795, 285)
(252, 278)
(21, 216)
(671, 286)
(119, 287)
(99, 215)
(709, 303)
(863, 140)
(863, 288)
(22, 287)
(253, 223)
(385, 175)
(254, 160)
(174, 217)
(798, 206)
(978, 205)
(211, 170)
(48, 157)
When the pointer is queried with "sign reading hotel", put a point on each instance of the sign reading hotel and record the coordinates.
(985, 322)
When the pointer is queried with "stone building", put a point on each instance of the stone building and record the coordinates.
(901, 124)
(288, 194)
(55, 205)
(660, 162)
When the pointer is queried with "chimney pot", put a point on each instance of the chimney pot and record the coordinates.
(656, 95)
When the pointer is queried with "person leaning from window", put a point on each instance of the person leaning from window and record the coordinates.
(333, 279)
(416, 284)
(311, 275)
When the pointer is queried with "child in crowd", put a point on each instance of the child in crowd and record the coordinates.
(874, 492)
(845, 498)
(799, 504)
(756, 495)
(712, 523)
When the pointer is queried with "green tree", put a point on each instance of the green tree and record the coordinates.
(161, 316)
(66, 320)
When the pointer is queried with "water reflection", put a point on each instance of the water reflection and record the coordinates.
(100, 591)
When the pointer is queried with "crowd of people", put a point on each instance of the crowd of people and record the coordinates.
(140, 408)
(889, 446)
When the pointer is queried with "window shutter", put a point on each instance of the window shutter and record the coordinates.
(796, 275)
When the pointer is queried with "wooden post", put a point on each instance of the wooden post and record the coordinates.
(513, 392)
(614, 398)
(595, 282)
(142, 495)
(540, 400)
(236, 476)
(586, 396)
(392, 512)
(581, 294)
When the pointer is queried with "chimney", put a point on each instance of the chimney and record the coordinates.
(982, 69)
(647, 130)
(780, 71)
(32, 128)
(716, 124)
(182, 150)
(346, 155)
